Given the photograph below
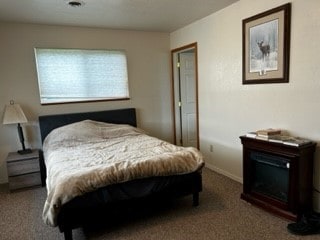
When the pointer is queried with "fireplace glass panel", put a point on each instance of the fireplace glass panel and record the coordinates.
(271, 175)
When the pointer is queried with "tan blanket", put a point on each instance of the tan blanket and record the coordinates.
(87, 155)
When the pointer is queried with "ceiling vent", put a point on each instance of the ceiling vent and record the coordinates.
(75, 3)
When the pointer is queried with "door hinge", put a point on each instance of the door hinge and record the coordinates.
(179, 104)
(178, 64)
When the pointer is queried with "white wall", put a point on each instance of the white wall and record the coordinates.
(149, 77)
(229, 109)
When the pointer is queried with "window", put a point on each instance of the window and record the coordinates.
(74, 75)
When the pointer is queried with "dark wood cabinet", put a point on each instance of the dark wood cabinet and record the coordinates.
(278, 177)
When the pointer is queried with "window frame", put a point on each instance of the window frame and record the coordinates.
(98, 99)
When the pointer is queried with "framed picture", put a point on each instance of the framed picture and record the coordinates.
(266, 46)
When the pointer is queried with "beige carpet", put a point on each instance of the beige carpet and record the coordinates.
(221, 215)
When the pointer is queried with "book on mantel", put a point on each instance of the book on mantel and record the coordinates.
(268, 132)
(275, 135)
(264, 134)
(279, 138)
(251, 134)
(296, 141)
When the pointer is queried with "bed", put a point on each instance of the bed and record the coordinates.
(78, 206)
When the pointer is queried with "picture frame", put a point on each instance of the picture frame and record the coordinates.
(266, 46)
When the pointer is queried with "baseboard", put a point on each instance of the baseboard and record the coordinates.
(225, 173)
(4, 187)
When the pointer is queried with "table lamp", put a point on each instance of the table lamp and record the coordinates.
(13, 114)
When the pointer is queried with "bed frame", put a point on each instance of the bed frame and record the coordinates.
(80, 210)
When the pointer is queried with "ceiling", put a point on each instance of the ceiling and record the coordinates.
(140, 15)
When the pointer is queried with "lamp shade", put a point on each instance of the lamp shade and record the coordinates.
(13, 114)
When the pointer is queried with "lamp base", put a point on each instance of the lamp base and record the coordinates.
(25, 151)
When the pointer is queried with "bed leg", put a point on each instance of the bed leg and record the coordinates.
(195, 199)
(68, 234)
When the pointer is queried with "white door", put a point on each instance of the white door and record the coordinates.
(188, 99)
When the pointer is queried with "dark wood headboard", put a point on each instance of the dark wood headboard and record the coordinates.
(118, 116)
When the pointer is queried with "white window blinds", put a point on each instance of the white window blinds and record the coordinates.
(73, 75)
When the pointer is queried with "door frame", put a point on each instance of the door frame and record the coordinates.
(174, 53)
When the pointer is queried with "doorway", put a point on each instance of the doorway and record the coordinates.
(185, 95)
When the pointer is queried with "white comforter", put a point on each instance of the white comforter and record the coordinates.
(84, 156)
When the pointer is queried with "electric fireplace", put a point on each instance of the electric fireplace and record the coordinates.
(270, 175)
(278, 177)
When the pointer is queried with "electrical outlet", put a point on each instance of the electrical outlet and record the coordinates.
(211, 148)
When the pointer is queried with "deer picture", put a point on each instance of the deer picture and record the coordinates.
(265, 49)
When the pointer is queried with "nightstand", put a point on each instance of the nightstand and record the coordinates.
(23, 170)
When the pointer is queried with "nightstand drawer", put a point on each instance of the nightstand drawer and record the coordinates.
(23, 167)
(23, 181)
